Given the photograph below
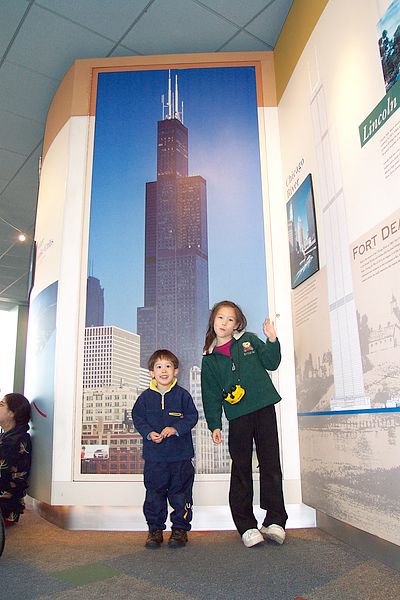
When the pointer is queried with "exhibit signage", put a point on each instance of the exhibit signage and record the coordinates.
(381, 113)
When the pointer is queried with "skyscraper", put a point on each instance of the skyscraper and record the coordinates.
(176, 305)
(111, 358)
(94, 303)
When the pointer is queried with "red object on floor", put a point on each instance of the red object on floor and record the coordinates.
(9, 523)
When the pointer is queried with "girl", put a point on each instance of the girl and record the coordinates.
(234, 377)
(15, 455)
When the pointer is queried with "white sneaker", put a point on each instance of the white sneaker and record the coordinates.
(251, 537)
(275, 533)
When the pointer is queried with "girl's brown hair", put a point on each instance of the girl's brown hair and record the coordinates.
(20, 407)
(240, 318)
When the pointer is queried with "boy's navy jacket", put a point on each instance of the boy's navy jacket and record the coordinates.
(174, 408)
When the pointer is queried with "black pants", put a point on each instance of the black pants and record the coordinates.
(168, 482)
(259, 426)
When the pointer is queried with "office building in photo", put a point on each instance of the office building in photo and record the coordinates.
(107, 410)
(107, 421)
(111, 358)
(209, 458)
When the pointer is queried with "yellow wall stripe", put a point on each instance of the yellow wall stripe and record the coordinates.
(295, 34)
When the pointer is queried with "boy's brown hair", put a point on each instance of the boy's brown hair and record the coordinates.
(162, 354)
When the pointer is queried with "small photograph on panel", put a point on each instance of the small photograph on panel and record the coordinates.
(302, 232)
(388, 28)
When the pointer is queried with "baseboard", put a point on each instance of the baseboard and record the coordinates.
(367, 543)
(130, 518)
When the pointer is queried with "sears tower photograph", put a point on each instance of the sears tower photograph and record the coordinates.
(176, 303)
(176, 224)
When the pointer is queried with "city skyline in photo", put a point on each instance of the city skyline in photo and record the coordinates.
(220, 114)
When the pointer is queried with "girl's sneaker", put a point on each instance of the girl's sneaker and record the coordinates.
(273, 532)
(252, 537)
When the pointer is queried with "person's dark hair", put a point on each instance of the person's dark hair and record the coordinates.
(240, 318)
(162, 354)
(20, 407)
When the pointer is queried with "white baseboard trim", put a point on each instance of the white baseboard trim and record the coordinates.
(130, 518)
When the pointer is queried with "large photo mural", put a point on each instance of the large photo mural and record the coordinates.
(176, 224)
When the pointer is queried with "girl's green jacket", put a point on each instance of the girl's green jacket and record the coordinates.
(250, 357)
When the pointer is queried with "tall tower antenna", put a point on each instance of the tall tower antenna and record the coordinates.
(176, 109)
(169, 103)
(170, 109)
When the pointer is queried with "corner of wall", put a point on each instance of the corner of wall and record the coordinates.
(299, 24)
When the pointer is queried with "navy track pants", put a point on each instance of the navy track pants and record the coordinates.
(168, 482)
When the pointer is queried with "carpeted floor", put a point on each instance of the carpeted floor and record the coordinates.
(41, 561)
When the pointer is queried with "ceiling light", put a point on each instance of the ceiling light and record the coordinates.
(22, 237)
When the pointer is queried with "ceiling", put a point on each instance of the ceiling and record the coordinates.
(39, 40)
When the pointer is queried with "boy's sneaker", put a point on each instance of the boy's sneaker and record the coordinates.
(251, 537)
(154, 539)
(273, 532)
(178, 538)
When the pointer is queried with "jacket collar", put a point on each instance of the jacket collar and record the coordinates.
(17, 430)
(236, 336)
(153, 386)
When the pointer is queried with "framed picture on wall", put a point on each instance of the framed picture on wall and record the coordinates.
(302, 232)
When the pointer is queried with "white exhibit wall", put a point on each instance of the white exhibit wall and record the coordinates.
(41, 341)
(279, 299)
(69, 300)
(346, 318)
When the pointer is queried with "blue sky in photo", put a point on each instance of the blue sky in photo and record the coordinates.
(220, 113)
(390, 20)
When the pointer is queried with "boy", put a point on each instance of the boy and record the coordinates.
(164, 415)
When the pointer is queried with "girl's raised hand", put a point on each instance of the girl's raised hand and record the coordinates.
(269, 330)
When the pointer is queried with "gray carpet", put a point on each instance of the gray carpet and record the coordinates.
(42, 561)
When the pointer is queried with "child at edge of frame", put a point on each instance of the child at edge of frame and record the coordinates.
(234, 378)
(165, 415)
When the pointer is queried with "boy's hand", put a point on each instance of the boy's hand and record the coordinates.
(217, 436)
(156, 437)
(167, 432)
(269, 330)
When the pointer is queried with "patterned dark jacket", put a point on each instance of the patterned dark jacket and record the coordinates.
(15, 464)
